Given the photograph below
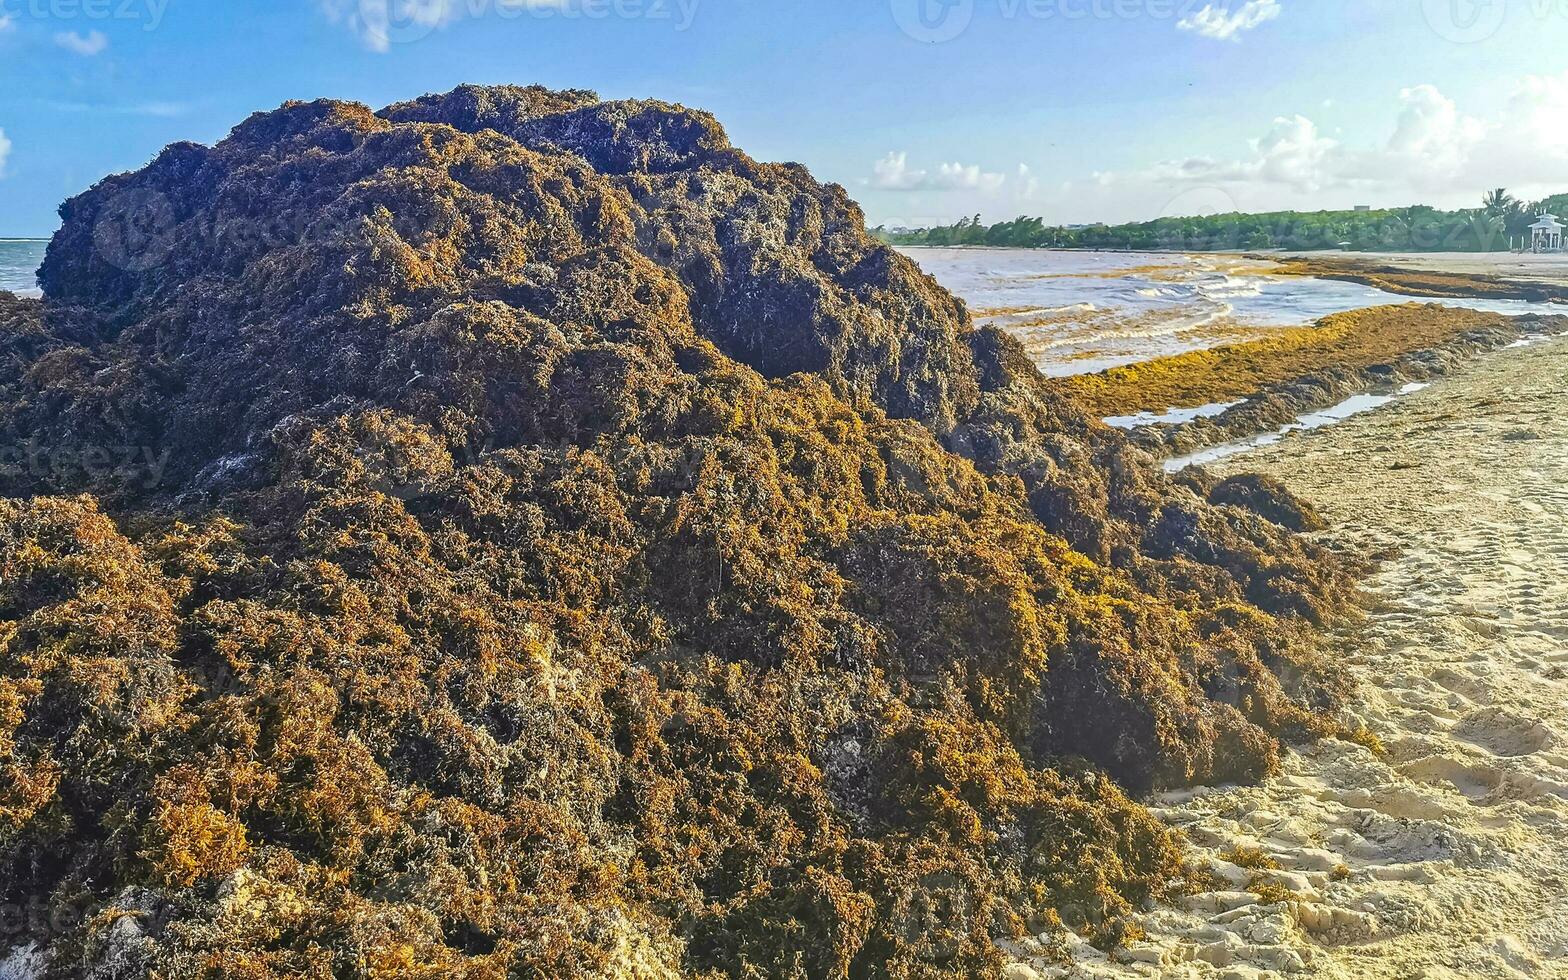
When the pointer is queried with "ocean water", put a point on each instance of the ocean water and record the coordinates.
(19, 262)
(1081, 312)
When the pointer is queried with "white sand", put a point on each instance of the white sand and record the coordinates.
(1448, 858)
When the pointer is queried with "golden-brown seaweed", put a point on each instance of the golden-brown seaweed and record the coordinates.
(518, 535)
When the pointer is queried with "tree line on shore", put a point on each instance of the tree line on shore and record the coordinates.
(1501, 223)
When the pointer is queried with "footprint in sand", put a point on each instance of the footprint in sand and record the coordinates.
(1467, 686)
(1504, 734)
(1475, 780)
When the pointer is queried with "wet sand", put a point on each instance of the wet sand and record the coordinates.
(1447, 856)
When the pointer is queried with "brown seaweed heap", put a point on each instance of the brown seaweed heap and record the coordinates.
(512, 534)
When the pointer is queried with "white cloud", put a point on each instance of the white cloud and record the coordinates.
(1433, 153)
(1219, 23)
(5, 151)
(893, 173)
(1432, 139)
(1293, 153)
(87, 45)
(1532, 135)
(1439, 151)
(1028, 184)
(1419, 146)
(162, 110)
(383, 23)
(958, 176)
(7, 22)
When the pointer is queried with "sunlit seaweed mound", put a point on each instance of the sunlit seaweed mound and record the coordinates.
(512, 534)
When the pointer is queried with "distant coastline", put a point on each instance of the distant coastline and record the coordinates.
(1500, 224)
(1244, 345)
(1088, 248)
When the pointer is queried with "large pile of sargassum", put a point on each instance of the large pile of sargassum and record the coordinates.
(513, 534)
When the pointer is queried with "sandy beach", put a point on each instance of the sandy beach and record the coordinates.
(1549, 267)
(1444, 857)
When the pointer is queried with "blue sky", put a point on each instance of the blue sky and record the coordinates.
(925, 109)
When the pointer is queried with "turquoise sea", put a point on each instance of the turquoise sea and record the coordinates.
(19, 262)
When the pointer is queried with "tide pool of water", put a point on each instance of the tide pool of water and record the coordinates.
(1173, 416)
(19, 262)
(1081, 312)
(1349, 408)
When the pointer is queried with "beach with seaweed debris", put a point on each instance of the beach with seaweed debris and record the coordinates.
(1431, 844)
(1438, 850)
(952, 664)
(911, 490)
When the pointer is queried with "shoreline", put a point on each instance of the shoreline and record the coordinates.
(1474, 264)
(1419, 854)
(1439, 856)
(1285, 387)
(1271, 381)
(1466, 280)
(1437, 275)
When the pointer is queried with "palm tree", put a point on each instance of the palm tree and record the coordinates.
(1500, 204)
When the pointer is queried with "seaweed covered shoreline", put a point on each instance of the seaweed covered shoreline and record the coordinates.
(1284, 374)
(1419, 282)
(1460, 490)
(578, 549)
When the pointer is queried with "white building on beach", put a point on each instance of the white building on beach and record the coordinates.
(1546, 235)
